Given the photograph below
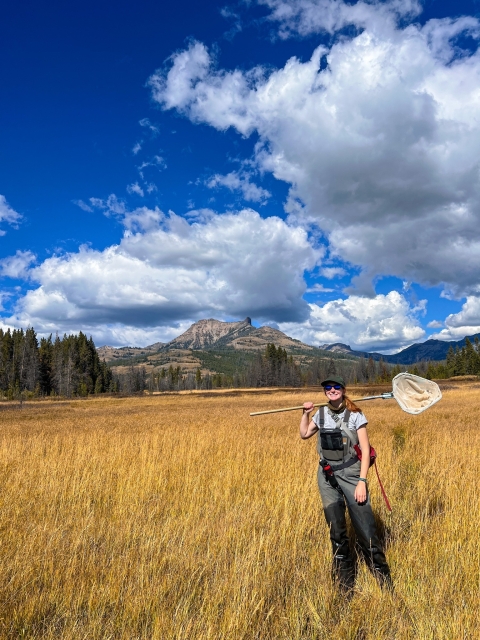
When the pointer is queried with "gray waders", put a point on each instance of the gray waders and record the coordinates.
(337, 494)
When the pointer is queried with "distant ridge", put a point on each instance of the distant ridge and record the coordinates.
(428, 350)
(242, 336)
(227, 339)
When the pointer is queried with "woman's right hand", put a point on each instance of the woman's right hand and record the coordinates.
(307, 426)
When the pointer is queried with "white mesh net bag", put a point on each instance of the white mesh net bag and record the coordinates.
(415, 394)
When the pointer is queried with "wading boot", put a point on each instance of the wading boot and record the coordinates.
(384, 578)
(343, 568)
(380, 569)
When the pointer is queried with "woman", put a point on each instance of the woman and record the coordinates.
(342, 480)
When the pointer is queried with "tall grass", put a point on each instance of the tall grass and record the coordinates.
(181, 517)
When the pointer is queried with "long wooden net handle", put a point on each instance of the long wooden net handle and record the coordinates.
(384, 396)
(261, 413)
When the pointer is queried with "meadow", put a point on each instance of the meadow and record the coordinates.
(181, 517)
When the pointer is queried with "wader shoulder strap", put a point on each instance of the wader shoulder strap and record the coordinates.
(321, 411)
(351, 435)
(320, 425)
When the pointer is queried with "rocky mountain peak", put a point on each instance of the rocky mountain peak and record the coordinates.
(205, 333)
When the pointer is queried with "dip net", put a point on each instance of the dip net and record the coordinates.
(415, 394)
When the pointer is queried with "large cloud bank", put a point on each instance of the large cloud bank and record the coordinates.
(385, 323)
(167, 269)
(167, 272)
(306, 17)
(378, 135)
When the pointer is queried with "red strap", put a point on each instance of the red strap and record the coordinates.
(373, 455)
(383, 490)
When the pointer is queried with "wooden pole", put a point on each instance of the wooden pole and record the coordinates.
(261, 413)
(384, 396)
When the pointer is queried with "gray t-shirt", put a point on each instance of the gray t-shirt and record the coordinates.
(355, 421)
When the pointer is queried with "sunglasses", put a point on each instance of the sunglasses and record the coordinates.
(329, 387)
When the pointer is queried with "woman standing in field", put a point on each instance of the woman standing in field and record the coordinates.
(342, 480)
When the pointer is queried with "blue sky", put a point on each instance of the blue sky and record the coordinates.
(310, 163)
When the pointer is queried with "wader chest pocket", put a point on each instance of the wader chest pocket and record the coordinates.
(332, 441)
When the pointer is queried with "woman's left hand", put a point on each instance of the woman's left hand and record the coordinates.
(361, 492)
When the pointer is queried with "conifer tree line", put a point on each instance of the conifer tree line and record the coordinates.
(271, 368)
(172, 379)
(70, 366)
(459, 362)
(275, 368)
(67, 366)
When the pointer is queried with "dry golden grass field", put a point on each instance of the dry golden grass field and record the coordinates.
(180, 517)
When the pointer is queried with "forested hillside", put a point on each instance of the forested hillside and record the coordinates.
(459, 362)
(274, 367)
(70, 366)
(67, 366)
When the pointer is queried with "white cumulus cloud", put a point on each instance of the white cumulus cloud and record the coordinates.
(306, 17)
(112, 206)
(377, 135)
(464, 323)
(7, 214)
(136, 189)
(319, 288)
(384, 323)
(167, 271)
(17, 266)
(333, 272)
(83, 205)
(145, 122)
(240, 182)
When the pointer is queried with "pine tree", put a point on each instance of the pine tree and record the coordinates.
(383, 374)
(459, 367)
(470, 357)
(371, 370)
(331, 368)
(198, 378)
(450, 362)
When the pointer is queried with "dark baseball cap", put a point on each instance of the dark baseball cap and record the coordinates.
(335, 379)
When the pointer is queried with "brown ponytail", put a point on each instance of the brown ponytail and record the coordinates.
(351, 406)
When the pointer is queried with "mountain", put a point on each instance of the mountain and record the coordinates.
(345, 349)
(428, 350)
(214, 347)
(204, 334)
(216, 335)
(189, 350)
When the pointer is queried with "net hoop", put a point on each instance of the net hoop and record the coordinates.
(415, 394)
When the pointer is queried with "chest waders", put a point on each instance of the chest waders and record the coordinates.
(338, 475)
(332, 443)
(336, 446)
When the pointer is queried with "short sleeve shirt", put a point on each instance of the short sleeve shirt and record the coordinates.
(355, 421)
